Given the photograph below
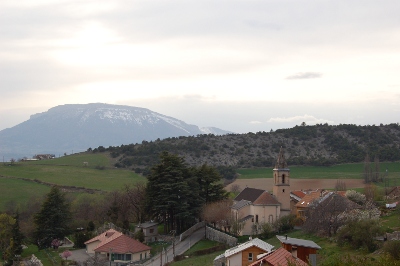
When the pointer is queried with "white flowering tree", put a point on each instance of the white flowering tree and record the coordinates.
(355, 197)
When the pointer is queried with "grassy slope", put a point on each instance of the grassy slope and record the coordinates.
(68, 170)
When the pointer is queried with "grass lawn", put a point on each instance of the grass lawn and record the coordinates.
(107, 179)
(93, 160)
(202, 244)
(342, 171)
(19, 191)
(391, 221)
(205, 260)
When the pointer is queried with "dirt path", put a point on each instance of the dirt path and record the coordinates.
(296, 184)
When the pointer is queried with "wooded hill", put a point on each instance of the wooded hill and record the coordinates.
(318, 145)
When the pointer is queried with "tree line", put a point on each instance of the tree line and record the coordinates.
(317, 145)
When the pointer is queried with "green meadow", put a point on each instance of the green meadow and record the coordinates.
(66, 171)
(342, 171)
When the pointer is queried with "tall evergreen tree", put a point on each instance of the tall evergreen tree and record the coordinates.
(14, 251)
(172, 193)
(52, 222)
(211, 187)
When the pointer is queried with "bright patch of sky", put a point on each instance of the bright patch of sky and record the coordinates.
(238, 65)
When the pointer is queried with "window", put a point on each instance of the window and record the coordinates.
(257, 218)
(124, 257)
(283, 179)
(270, 218)
(283, 190)
(250, 256)
(151, 230)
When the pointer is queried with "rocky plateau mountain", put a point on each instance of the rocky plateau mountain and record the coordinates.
(74, 128)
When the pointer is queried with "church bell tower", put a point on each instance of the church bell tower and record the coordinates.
(281, 189)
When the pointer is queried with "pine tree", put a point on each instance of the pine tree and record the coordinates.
(14, 250)
(52, 222)
(172, 193)
(211, 188)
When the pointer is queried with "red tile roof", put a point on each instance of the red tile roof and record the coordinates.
(265, 199)
(280, 257)
(298, 193)
(123, 244)
(309, 198)
(105, 237)
(118, 242)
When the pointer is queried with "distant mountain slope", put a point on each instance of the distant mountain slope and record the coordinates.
(77, 127)
(319, 145)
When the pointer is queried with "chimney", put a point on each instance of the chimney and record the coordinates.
(286, 237)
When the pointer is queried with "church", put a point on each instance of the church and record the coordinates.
(253, 207)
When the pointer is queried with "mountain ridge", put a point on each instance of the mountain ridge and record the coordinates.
(73, 128)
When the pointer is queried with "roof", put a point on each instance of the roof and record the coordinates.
(118, 242)
(147, 224)
(241, 204)
(105, 237)
(249, 194)
(123, 244)
(281, 161)
(338, 203)
(298, 242)
(246, 218)
(266, 199)
(298, 194)
(254, 242)
(309, 198)
(394, 192)
(280, 257)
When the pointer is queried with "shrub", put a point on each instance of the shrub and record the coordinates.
(393, 249)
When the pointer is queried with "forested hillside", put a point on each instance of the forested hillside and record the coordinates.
(321, 144)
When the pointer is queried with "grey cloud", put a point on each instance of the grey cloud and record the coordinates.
(305, 75)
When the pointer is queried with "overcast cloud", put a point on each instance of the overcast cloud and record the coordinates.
(237, 65)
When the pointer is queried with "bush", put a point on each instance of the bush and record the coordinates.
(359, 234)
(393, 249)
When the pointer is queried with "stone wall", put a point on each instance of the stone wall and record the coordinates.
(191, 230)
(221, 237)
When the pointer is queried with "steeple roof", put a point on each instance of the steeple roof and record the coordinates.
(281, 161)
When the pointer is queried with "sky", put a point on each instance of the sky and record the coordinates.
(243, 66)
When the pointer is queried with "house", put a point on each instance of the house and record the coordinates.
(150, 231)
(243, 254)
(295, 197)
(121, 247)
(393, 194)
(279, 257)
(253, 206)
(302, 206)
(305, 250)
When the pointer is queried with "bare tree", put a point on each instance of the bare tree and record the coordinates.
(340, 185)
(218, 213)
(324, 217)
(136, 196)
(367, 175)
(376, 176)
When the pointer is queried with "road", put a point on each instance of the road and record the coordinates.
(180, 248)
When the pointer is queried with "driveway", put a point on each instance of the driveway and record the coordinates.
(78, 255)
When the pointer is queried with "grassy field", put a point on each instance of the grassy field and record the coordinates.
(67, 171)
(342, 171)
